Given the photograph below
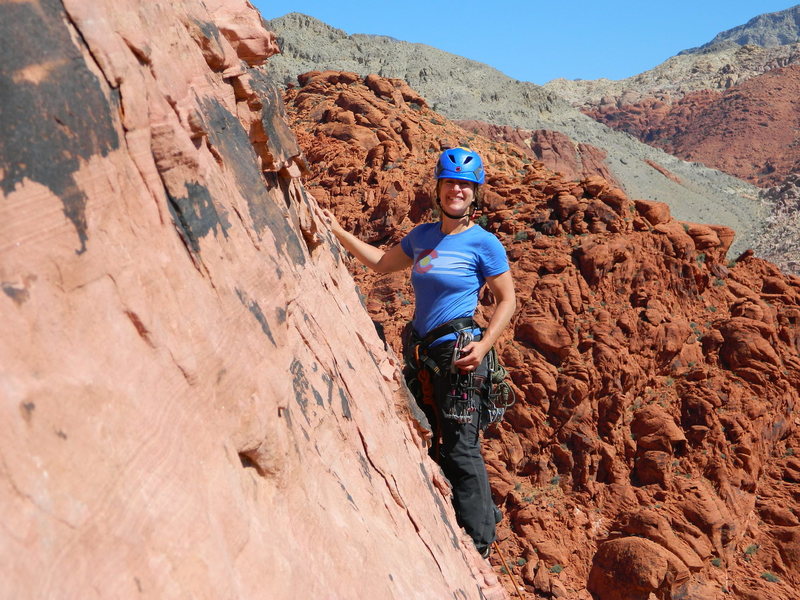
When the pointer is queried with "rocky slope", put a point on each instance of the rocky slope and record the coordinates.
(652, 449)
(780, 238)
(766, 42)
(729, 104)
(553, 149)
(716, 69)
(195, 404)
(467, 90)
(749, 130)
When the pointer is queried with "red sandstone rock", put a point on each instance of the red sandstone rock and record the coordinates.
(552, 148)
(655, 212)
(632, 567)
(654, 382)
(194, 401)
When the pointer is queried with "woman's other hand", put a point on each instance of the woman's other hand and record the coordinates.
(472, 356)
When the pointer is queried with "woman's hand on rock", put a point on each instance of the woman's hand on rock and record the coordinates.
(329, 219)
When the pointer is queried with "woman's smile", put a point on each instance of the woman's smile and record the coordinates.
(457, 194)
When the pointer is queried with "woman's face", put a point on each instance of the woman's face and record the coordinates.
(456, 195)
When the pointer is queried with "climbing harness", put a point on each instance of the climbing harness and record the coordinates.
(467, 392)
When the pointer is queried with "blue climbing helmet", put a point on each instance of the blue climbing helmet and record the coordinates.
(460, 163)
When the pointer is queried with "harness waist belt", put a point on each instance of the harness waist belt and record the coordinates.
(449, 327)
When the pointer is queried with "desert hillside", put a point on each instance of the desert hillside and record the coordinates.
(651, 450)
(730, 104)
(462, 89)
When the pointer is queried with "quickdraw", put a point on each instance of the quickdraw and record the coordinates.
(500, 396)
(460, 403)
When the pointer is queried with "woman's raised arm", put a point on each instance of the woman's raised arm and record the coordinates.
(394, 259)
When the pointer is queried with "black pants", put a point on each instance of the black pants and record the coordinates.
(459, 455)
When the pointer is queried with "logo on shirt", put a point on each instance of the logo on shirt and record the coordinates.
(425, 261)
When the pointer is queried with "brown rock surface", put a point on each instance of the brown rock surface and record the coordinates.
(748, 130)
(635, 340)
(195, 404)
(553, 149)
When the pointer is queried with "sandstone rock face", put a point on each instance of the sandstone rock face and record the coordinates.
(651, 451)
(194, 401)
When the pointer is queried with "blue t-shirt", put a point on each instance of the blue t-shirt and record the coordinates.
(449, 271)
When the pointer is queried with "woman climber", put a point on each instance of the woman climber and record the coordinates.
(451, 260)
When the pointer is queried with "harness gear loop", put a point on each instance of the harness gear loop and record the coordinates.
(461, 400)
(426, 384)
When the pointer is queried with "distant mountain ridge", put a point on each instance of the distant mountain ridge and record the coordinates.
(731, 104)
(717, 69)
(769, 30)
(462, 89)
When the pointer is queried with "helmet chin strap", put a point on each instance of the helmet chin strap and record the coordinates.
(454, 217)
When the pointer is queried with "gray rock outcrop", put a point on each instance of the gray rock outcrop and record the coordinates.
(768, 31)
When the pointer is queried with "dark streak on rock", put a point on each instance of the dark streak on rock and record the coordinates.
(61, 434)
(281, 312)
(333, 244)
(53, 112)
(280, 138)
(438, 500)
(318, 397)
(327, 379)
(26, 409)
(361, 297)
(256, 311)
(17, 294)
(345, 404)
(210, 30)
(227, 135)
(300, 385)
(344, 489)
(364, 465)
(195, 216)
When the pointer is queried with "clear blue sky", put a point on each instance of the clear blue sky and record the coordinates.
(539, 41)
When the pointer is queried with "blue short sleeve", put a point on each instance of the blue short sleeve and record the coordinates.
(406, 244)
(493, 259)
